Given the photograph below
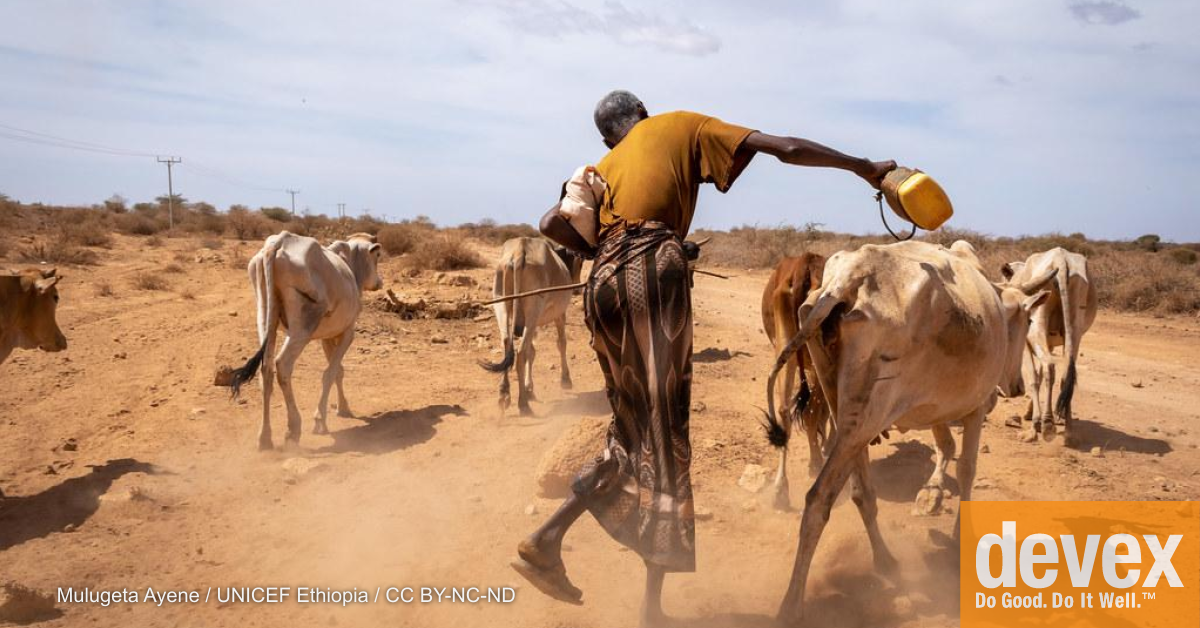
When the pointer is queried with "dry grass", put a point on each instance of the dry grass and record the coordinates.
(1143, 274)
(489, 232)
(444, 253)
(187, 295)
(150, 281)
(68, 254)
(104, 289)
(173, 268)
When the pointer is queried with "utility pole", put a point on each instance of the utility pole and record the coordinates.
(170, 161)
(293, 193)
(341, 210)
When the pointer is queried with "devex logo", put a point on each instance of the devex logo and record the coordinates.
(1043, 549)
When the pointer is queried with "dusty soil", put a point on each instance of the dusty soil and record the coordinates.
(123, 467)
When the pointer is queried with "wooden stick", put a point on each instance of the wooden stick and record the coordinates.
(532, 293)
(571, 286)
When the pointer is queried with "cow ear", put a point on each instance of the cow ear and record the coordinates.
(1007, 271)
(1035, 300)
(50, 272)
(44, 285)
(374, 248)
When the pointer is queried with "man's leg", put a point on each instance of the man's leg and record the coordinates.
(652, 613)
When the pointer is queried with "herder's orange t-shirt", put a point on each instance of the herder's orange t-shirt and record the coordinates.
(655, 172)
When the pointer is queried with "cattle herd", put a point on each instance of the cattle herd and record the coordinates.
(903, 336)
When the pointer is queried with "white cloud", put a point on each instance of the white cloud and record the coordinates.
(559, 18)
(1103, 12)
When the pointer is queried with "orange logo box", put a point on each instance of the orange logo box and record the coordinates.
(1080, 564)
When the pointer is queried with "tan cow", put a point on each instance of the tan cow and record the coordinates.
(788, 286)
(529, 264)
(1059, 322)
(921, 339)
(28, 301)
(315, 293)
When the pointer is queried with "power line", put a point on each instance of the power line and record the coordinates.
(47, 139)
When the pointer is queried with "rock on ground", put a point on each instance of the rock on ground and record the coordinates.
(22, 605)
(577, 446)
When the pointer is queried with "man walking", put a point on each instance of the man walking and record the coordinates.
(638, 308)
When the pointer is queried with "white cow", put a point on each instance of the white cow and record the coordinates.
(529, 264)
(921, 338)
(1059, 322)
(316, 294)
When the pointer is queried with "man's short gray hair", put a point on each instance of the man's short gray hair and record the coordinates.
(616, 113)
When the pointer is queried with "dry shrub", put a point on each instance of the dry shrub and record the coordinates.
(1182, 256)
(212, 243)
(83, 227)
(68, 254)
(104, 289)
(1141, 281)
(488, 231)
(238, 259)
(173, 268)
(139, 224)
(154, 241)
(397, 239)
(444, 253)
(247, 225)
(758, 247)
(149, 281)
(278, 214)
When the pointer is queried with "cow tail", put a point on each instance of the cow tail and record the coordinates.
(264, 285)
(1067, 390)
(808, 328)
(511, 308)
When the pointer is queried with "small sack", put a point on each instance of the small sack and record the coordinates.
(580, 204)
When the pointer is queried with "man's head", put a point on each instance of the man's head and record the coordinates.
(616, 113)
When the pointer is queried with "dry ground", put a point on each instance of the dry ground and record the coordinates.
(124, 467)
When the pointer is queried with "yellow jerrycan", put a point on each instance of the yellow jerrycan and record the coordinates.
(917, 198)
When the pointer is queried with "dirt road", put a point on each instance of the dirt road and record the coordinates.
(123, 467)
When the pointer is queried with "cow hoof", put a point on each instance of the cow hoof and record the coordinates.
(265, 444)
(345, 413)
(319, 427)
(928, 502)
(1048, 430)
(566, 384)
(525, 410)
(782, 501)
(1028, 436)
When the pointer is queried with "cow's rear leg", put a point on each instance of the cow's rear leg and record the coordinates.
(335, 349)
(265, 442)
(929, 500)
(285, 364)
(1048, 428)
(782, 500)
(818, 503)
(525, 355)
(561, 326)
(863, 495)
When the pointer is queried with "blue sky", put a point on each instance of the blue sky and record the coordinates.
(1035, 115)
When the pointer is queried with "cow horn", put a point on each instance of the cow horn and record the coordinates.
(703, 241)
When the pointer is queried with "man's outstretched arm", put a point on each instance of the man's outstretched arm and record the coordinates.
(802, 152)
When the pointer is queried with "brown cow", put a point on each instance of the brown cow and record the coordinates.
(27, 304)
(789, 285)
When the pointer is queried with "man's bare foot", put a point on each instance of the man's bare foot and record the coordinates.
(552, 582)
(545, 570)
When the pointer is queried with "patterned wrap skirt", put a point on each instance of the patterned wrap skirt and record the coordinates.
(638, 308)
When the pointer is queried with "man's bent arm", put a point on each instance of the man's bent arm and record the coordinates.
(557, 229)
(802, 152)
